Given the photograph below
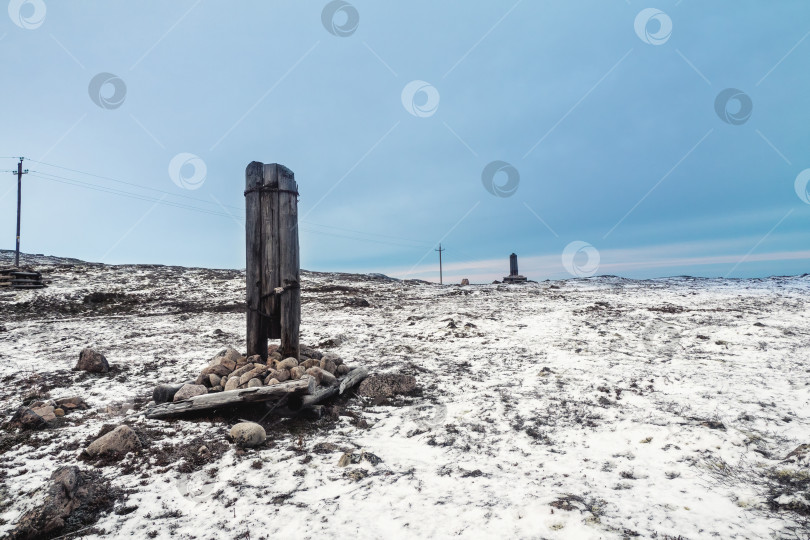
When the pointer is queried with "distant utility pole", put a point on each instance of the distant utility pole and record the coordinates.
(20, 172)
(440, 262)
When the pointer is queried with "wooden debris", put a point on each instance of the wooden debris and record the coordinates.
(322, 393)
(298, 388)
(20, 279)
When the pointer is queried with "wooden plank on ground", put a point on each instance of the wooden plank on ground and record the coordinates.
(301, 387)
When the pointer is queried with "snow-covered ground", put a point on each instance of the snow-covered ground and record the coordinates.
(595, 408)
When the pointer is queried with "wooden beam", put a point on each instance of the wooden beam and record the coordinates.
(322, 393)
(299, 388)
(289, 262)
(271, 254)
(256, 325)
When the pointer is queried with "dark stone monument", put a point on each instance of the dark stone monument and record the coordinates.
(514, 276)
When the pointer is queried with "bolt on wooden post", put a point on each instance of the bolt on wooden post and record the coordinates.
(273, 282)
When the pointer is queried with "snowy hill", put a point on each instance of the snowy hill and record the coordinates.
(597, 408)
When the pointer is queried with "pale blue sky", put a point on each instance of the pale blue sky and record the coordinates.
(614, 134)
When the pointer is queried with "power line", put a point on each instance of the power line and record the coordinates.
(208, 202)
(137, 196)
(131, 184)
(104, 189)
(368, 233)
(311, 227)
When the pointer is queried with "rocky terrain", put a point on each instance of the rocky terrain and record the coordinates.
(593, 408)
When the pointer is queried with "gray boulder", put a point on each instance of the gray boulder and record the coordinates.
(227, 357)
(190, 390)
(248, 434)
(73, 498)
(91, 361)
(71, 403)
(115, 444)
(25, 419)
(164, 393)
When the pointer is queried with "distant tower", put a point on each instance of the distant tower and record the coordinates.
(514, 276)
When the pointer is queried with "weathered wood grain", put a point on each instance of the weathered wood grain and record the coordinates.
(300, 388)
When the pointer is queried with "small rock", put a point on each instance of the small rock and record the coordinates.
(275, 355)
(232, 384)
(327, 364)
(70, 403)
(252, 374)
(349, 458)
(164, 393)
(46, 412)
(341, 370)
(59, 412)
(283, 375)
(26, 418)
(190, 390)
(270, 382)
(217, 388)
(214, 379)
(323, 377)
(227, 358)
(465, 282)
(297, 372)
(218, 369)
(254, 382)
(116, 443)
(241, 371)
(334, 357)
(248, 434)
(309, 352)
(356, 301)
(310, 362)
(327, 379)
(287, 363)
(91, 361)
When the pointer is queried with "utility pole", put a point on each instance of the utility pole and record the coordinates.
(440, 263)
(20, 172)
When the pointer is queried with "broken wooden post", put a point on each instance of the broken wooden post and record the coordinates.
(272, 271)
